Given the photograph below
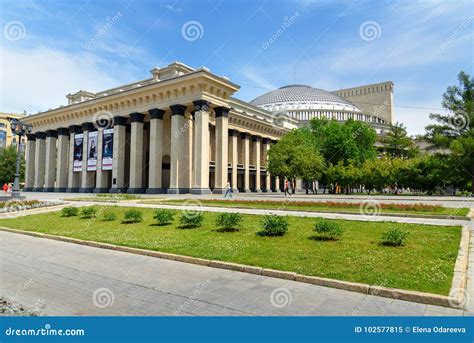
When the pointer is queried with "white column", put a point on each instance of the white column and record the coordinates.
(156, 152)
(30, 163)
(235, 158)
(50, 171)
(257, 157)
(136, 154)
(222, 149)
(118, 162)
(246, 153)
(177, 167)
(87, 177)
(100, 175)
(187, 168)
(62, 160)
(201, 147)
(277, 185)
(266, 147)
(74, 178)
(40, 160)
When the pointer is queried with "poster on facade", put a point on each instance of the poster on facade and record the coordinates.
(107, 149)
(78, 141)
(92, 151)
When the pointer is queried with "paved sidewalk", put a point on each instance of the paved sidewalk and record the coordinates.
(72, 279)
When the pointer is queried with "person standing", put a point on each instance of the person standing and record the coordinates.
(287, 188)
(228, 192)
(5, 187)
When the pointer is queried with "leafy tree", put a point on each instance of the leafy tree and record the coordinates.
(455, 131)
(397, 143)
(375, 173)
(8, 165)
(296, 155)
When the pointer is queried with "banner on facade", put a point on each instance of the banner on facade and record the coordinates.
(78, 146)
(92, 151)
(107, 149)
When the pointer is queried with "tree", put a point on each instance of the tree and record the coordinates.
(8, 165)
(375, 174)
(455, 131)
(397, 143)
(295, 156)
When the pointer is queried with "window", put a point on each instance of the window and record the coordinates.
(3, 138)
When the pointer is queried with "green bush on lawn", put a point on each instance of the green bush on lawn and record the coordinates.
(163, 216)
(394, 237)
(109, 216)
(274, 225)
(228, 221)
(88, 212)
(132, 216)
(191, 220)
(69, 211)
(328, 230)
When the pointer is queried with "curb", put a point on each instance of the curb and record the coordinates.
(454, 300)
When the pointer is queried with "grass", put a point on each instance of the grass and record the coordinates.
(322, 206)
(425, 263)
(105, 197)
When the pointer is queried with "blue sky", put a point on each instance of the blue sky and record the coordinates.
(50, 48)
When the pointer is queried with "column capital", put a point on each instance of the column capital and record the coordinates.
(120, 121)
(222, 111)
(31, 137)
(244, 135)
(51, 133)
(75, 129)
(88, 126)
(233, 132)
(156, 113)
(136, 117)
(266, 141)
(63, 131)
(178, 110)
(256, 138)
(201, 105)
(40, 135)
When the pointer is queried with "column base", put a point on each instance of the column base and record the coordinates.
(72, 190)
(219, 191)
(37, 189)
(248, 190)
(200, 191)
(155, 191)
(258, 190)
(136, 190)
(28, 189)
(118, 190)
(177, 190)
(48, 189)
(101, 190)
(86, 190)
(60, 189)
(235, 190)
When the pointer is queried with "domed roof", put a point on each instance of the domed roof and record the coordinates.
(299, 94)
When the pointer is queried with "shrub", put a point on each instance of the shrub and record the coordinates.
(274, 225)
(109, 216)
(88, 212)
(69, 211)
(229, 221)
(132, 216)
(163, 216)
(191, 220)
(328, 230)
(394, 237)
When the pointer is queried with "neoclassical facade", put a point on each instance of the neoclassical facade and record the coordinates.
(180, 131)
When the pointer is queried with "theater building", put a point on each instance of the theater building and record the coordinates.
(179, 131)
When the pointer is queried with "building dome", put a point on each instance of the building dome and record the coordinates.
(301, 97)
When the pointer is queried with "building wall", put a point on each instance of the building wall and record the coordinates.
(6, 135)
(375, 99)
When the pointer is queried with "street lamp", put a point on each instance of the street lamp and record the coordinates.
(20, 129)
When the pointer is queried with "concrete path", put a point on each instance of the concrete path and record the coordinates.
(68, 279)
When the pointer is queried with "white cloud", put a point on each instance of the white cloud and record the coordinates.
(38, 79)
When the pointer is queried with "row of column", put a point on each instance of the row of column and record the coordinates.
(52, 169)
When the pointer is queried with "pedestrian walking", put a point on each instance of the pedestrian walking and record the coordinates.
(287, 188)
(228, 192)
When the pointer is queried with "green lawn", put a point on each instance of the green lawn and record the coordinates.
(321, 206)
(425, 264)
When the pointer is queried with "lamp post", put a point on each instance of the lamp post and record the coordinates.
(20, 129)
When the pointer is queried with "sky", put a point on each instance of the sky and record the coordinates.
(52, 48)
